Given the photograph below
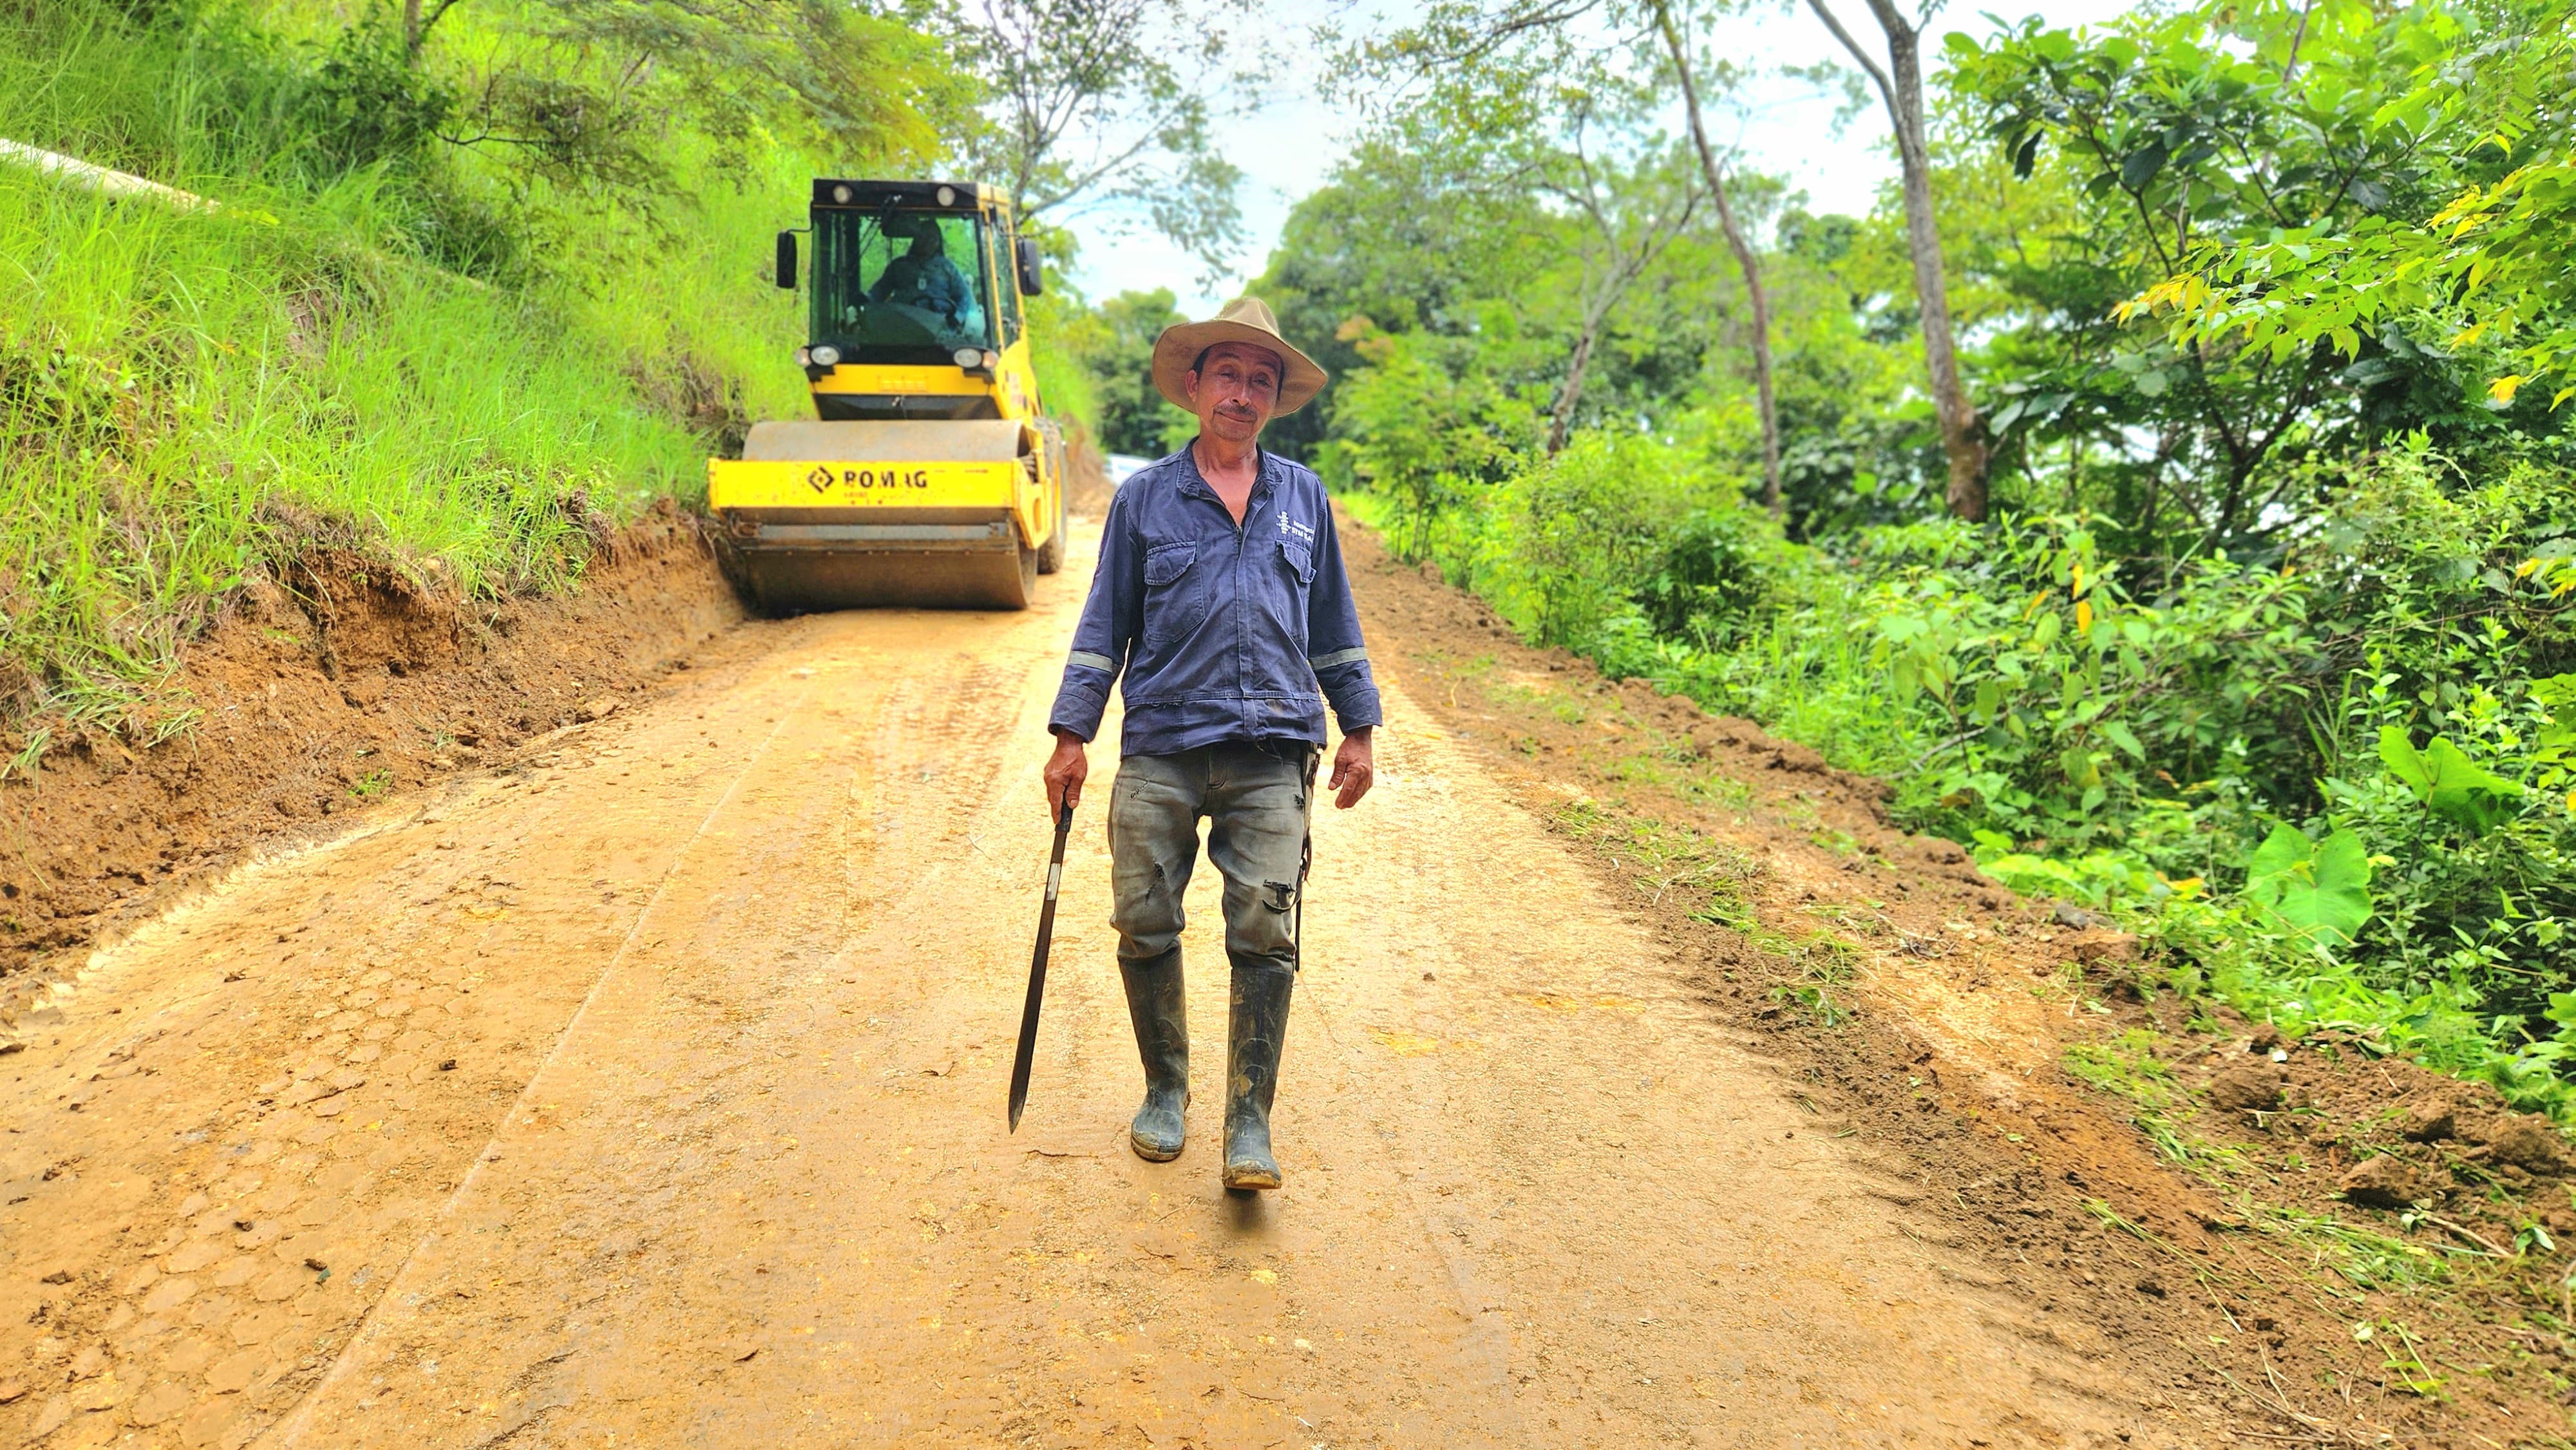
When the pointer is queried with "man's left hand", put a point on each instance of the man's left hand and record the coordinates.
(1354, 768)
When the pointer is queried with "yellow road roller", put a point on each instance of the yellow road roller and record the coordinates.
(930, 474)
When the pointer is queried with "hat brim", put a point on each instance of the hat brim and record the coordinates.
(1180, 345)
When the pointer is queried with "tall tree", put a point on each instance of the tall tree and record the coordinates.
(1109, 104)
(1531, 123)
(1632, 216)
(1134, 418)
(2483, 115)
(1900, 86)
(1457, 34)
(1747, 260)
(2289, 176)
(576, 90)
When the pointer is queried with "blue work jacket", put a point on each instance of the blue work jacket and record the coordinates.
(1223, 633)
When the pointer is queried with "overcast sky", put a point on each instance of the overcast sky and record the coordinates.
(1286, 149)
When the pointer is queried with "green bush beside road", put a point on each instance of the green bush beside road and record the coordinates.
(2266, 649)
(462, 307)
(353, 347)
(2336, 790)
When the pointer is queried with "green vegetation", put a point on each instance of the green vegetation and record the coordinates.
(463, 360)
(1113, 344)
(482, 279)
(2265, 646)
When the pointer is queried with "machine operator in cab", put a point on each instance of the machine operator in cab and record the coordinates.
(1222, 601)
(923, 276)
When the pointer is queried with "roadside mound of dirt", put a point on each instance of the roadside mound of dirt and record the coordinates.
(2292, 1241)
(338, 683)
(335, 685)
(1087, 489)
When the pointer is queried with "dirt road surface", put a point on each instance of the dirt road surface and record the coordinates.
(652, 1094)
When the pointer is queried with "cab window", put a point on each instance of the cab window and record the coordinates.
(901, 286)
(1007, 275)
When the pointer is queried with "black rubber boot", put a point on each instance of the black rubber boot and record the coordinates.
(1160, 1011)
(1259, 1025)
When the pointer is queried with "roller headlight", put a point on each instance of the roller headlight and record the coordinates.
(804, 357)
(826, 356)
(992, 360)
(841, 195)
(967, 357)
(947, 196)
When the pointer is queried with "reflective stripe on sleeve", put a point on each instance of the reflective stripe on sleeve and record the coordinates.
(1102, 663)
(1337, 657)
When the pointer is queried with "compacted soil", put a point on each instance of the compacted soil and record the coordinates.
(642, 1082)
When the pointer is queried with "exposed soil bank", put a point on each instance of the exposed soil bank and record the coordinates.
(336, 685)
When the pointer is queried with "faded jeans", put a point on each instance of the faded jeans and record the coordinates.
(1256, 804)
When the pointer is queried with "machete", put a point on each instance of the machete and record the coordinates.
(1037, 971)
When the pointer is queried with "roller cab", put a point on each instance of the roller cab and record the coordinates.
(930, 475)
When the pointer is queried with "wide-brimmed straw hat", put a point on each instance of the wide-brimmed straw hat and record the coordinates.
(1246, 320)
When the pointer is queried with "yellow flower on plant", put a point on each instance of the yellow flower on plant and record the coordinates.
(2084, 614)
(2503, 388)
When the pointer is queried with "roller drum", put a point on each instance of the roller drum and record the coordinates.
(796, 560)
(808, 583)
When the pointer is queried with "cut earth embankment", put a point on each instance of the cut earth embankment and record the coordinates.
(337, 684)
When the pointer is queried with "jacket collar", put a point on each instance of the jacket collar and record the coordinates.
(1192, 483)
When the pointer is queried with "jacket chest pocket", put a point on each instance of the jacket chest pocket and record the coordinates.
(1175, 591)
(1286, 600)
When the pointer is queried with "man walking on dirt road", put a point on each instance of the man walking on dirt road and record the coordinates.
(1221, 595)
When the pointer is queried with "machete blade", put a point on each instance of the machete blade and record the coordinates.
(1028, 1052)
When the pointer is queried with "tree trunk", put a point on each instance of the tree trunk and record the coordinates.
(1562, 423)
(1960, 437)
(1900, 85)
(1746, 261)
(411, 30)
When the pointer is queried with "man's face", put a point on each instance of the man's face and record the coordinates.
(1235, 390)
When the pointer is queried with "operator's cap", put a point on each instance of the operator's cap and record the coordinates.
(1245, 320)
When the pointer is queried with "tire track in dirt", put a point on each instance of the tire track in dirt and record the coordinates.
(247, 1167)
(720, 1016)
(761, 1191)
(297, 1424)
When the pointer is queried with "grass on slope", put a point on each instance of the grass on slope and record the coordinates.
(188, 397)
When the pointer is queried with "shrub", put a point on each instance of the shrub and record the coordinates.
(2332, 790)
(1565, 540)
